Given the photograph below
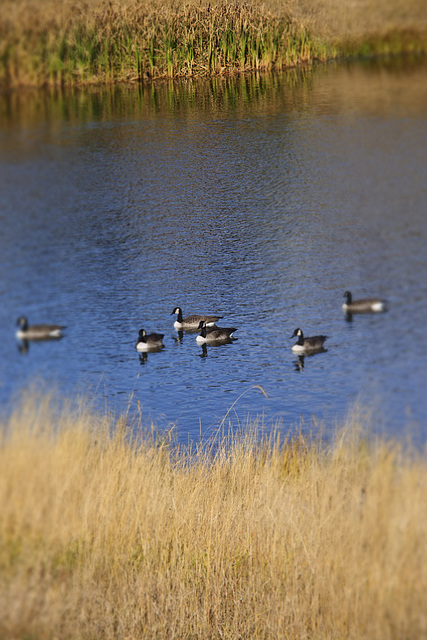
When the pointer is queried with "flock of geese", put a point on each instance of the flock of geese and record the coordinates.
(207, 329)
(209, 332)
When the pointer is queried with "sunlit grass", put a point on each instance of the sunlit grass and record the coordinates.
(107, 532)
(58, 42)
(136, 40)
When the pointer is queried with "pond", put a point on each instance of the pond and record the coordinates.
(259, 198)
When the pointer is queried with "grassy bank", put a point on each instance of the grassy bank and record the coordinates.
(57, 42)
(105, 537)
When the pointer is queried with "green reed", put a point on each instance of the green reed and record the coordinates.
(391, 44)
(113, 46)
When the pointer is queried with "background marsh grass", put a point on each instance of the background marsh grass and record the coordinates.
(129, 41)
(61, 42)
(107, 534)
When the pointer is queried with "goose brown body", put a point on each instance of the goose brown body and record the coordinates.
(214, 334)
(191, 322)
(307, 345)
(41, 331)
(364, 305)
(149, 342)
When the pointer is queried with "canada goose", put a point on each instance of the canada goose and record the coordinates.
(150, 342)
(191, 323)
(307, 345)
(211, 335)
(366, 305)
(37, 331)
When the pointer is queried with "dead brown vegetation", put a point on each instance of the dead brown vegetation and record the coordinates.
(104, 535)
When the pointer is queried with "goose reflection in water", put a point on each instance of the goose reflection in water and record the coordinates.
(204, 346)
(24, 345)
(299, 363)
(204, 353)
(143, 355)
(180, 337)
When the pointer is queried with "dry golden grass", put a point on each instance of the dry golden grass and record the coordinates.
(359, 19)
(334, 17)
(108, 536)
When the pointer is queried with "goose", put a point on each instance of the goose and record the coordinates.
(366, 305)
(212, 335)
(149, 342)
(37, 331)
(307, 345)
(191, 323)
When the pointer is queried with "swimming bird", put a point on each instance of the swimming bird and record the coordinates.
(365, 305)
(307, 345)
(149, 342)
(191, 323)
(214, 335)
(37, 331)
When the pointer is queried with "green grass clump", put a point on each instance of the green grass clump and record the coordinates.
(112, 533)
(107, 43)
(113, 45)
(391, 44)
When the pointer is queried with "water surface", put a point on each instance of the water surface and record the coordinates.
(259, 198)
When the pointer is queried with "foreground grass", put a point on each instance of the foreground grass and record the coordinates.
(104, 536)
(59, 42)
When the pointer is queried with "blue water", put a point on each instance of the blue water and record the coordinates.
(261, 199)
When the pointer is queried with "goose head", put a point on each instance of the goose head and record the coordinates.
(22, 322)
(297, 333)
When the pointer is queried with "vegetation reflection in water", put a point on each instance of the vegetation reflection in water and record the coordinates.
(245, 95)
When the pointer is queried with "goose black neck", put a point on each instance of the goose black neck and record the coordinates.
(23, 323)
